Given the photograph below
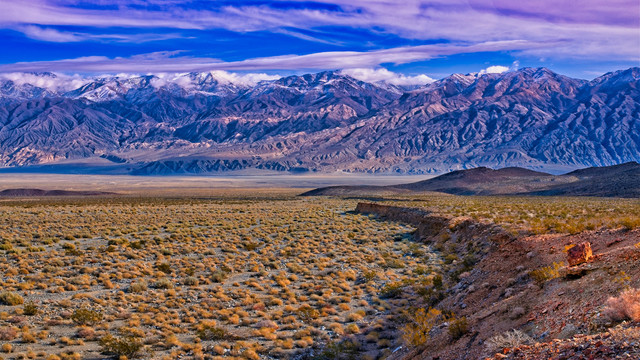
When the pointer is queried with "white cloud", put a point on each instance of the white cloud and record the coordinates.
(187, 81)
(384, 75)
(495, 69)
(51, 35)
(51, 82)
(248, 79)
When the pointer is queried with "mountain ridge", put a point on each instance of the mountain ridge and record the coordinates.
(324, 122)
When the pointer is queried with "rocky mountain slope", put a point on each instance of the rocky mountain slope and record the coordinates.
(200, 122)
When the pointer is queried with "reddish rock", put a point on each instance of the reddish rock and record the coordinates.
(579, 254)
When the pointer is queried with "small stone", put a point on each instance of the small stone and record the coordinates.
(517, 313)
(508, 292)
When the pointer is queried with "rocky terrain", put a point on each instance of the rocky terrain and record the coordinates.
(201, 123)
(610, 181)
(519, 298)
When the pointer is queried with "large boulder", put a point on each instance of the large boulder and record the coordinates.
(579, 254)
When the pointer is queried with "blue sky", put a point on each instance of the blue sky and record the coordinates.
(376, 37)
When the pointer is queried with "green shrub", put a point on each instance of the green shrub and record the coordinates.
(250, 246)
(458, 327)
(86, 316)
(30, 309)
(394, 264)
(544, 274)
(391, 290)
(10, 298)
(307, 313)
(165, 268)
(138, 287)
(369, 276)
(343, 350)
(127, 346)
(163, 283)
(437, 281)
(416, 331)
(219, 276)
(208, 332)
(191, 281)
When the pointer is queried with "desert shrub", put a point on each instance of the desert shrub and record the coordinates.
(437, 281)
(86, 316)
(208, 332)
(30, 309)
(8, 333)
(391, 290)
(343, 350)
(165, 268)
(10, 298)
(138, 287)
(191, 281)
(163, 283)
(626, 306)
(416, 331)
(127, 346)
(219, 276)
(450, 258)
(250, 246)
(544, 274)
(394, 264)
(307, 313)
(369, 276)
(458, 327)
(509, 339)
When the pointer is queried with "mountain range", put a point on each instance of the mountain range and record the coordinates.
(325, 122)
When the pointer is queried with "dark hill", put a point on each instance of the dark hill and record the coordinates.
(481, 180)
(610, 181)
(39, 192)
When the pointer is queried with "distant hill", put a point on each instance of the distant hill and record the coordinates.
(610, 181)
(39, 192)
(199, 123)
(483, 181)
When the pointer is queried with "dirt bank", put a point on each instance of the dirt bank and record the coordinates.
(497, 292)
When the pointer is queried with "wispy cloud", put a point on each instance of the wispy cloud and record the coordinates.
(170, 62)
(561, 28)
(54, 35)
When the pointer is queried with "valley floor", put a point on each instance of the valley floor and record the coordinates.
(180, 268)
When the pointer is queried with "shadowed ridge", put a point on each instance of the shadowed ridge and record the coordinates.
(630, 166)
(40, 192)
(465, 182)
(610, 181)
